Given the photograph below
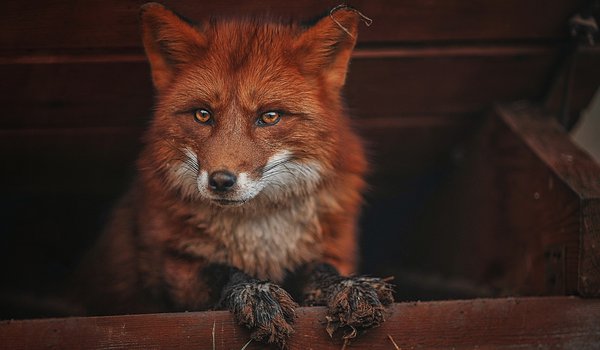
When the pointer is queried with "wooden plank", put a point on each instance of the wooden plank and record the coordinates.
(388, 51)
(548, 140)
(393, 87)
(523, 201)
(397, 84)
(579, 172)
(114, 24)
(589, 256)
(565, 322)
(76, 95)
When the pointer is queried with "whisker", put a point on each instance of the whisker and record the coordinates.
(274, 165)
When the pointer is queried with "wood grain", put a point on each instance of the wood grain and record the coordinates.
(579, 172)
(463, 84)
(76, 95)
(548, 140)
(519, 211)
(564, 322)
(110, 94)
(58, 24)
(379, 51)
(589, 258)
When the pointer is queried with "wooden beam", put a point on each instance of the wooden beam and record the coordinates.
(84, 55)
(578, 172)
(524, 202)
(549, 141)
(559, 322)
(101, 93)
(111, 23)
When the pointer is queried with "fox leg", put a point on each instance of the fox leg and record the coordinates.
(353, 303)
(261, 306)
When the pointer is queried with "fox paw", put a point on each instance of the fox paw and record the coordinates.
(356, 303)
(264, 308)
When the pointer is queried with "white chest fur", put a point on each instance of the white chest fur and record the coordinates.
(262, 245)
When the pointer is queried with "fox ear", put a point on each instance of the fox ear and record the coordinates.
(326, 47)
(169, 42)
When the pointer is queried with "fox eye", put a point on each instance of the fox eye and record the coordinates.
(202, 116)
(269, 118)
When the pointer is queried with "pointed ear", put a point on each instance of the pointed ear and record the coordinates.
(169, 42)
(326, 47)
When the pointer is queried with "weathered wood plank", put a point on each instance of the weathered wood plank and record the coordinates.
(462, 84)
(549, 141)
(397, 84)
(589, 256)
(76, 95)
(563, 322)
(387, 51)
(579, 172)
(113, 24)
(523, 201)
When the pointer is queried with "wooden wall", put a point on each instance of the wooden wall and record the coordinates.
(76, 95)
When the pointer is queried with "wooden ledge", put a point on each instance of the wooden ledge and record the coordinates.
(580, 176)
(547, 322)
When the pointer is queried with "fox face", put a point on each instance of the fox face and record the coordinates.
(242, 130)
(246, 110)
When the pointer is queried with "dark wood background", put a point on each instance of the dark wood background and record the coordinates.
(76, 96)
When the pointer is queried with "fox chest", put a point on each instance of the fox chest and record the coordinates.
(264, 246)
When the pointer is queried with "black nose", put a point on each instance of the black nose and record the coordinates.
(221, 181)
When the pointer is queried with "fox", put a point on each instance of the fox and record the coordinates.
(250, 181)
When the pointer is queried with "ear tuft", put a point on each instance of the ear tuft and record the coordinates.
(326, 47)
(346, 18)
(169, 42)
(151, 6)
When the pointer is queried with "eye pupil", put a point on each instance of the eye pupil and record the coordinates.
(202, 116)
(270, 118)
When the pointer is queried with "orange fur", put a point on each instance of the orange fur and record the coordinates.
(151, 256)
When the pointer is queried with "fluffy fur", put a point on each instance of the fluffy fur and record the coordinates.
(298, 191)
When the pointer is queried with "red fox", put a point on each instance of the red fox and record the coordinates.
(250, 179)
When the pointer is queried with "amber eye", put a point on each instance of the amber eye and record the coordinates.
(269, 118)
(202, 116)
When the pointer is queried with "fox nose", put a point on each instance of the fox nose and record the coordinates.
(221, 180)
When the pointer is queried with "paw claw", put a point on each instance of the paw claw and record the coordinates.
(356, 303)
(264, 308)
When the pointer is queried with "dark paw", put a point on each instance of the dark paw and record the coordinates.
(264, 308)
(356, 303)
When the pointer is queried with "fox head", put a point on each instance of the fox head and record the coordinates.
(246, 109)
